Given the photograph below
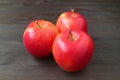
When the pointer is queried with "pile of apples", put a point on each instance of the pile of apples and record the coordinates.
(68, 41)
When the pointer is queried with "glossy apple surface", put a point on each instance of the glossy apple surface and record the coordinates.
(72, 50)
(71, 20)
(38, 38)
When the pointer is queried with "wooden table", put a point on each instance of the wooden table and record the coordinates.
(103, 17)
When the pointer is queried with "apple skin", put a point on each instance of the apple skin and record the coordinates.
(71, 20)
(38, 38)
(73, 55)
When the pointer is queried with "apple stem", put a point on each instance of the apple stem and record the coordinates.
(71, 37)
(72, 10)
(38, 24)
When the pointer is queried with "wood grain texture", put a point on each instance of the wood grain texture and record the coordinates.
(103, 17)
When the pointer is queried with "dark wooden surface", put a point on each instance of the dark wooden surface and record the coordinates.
(103, 17)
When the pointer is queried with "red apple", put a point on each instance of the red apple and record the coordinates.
(72, 50)
(71, 20)
(38, 38)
